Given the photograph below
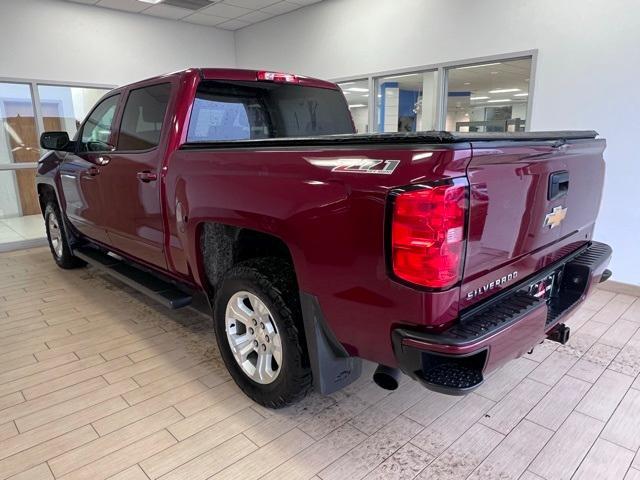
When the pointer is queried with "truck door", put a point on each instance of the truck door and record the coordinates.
(80, 171)
(131, 180)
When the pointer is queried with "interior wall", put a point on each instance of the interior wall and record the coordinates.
(64, 41)
(586, 69)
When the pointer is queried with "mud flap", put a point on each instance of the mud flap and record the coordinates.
(331, 364)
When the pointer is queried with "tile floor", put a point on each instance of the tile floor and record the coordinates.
(20, 229)
(97, 382)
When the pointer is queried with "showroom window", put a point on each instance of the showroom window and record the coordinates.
(406, 102)
(357, 94)
(488, 97)
(143, 116)
(26, 110)
(64, 108)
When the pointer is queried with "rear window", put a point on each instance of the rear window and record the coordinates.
(224, 111)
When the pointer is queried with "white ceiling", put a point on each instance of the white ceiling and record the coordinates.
(226, 14)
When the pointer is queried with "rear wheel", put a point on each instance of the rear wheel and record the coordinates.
(257, 319)
(58, 243)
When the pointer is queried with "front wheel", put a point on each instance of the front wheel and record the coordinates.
(257, 324)
(57, 237)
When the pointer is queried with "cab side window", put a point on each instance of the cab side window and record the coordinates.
(143, 117)
(97, 130)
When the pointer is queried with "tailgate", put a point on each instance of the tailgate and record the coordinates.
(531, 203)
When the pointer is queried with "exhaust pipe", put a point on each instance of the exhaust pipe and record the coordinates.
(386, 377)
(606, 275)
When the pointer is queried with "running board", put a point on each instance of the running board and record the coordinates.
(164, 292)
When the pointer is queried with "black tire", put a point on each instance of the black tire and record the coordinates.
(272, 280)
(61, 251)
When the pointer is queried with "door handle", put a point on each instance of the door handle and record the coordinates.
(558, 185)
(93, 171)
(103, 159)
(147, 176)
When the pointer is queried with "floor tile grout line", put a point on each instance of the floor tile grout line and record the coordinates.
(555, 432)
(613, 411)
(53, 405)
(75, 412)
(67, 386)
(39, 373)
(144, 437)
(212, 448)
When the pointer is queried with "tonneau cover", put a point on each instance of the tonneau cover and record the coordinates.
(431, 137)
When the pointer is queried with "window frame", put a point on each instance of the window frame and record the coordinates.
(163, 129)
(35, 98)
(442, 71)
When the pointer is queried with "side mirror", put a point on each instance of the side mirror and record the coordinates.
(55, 141)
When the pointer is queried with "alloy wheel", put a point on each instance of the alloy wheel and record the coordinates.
(253, 337)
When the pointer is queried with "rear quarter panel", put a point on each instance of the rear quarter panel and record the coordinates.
(332, 221)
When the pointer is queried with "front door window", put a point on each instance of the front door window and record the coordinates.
(97, 130)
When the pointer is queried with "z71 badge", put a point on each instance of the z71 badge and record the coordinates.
(378, 167)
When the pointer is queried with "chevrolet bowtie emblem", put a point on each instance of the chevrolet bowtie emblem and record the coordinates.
(554, 218)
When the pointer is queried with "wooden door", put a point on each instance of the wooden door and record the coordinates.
(23, 141)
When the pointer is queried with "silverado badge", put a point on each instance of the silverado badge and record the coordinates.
(553, 219)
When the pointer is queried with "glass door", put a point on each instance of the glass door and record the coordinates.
(59, 107)
(20, 217)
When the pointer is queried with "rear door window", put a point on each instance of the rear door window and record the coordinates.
(143, 117)
(224, 111)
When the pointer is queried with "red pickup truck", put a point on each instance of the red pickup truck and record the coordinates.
(441, 255)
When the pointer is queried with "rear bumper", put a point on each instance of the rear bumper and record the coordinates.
(501, 329)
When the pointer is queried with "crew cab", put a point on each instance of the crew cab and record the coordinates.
(441, 255)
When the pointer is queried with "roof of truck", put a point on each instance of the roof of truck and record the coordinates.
(240, 75)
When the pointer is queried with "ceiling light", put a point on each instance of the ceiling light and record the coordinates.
(479, 98)
(467, 83)
(150, 1)
(345, 84)
(477, 66)
(520, 94)
(358, 89)
(357, 105)
(504, 90)
(499, 101)
(402, 76)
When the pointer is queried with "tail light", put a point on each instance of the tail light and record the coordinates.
(277, 77)
(428, 234)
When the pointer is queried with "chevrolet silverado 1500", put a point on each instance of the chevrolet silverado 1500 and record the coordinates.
(441, 255)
